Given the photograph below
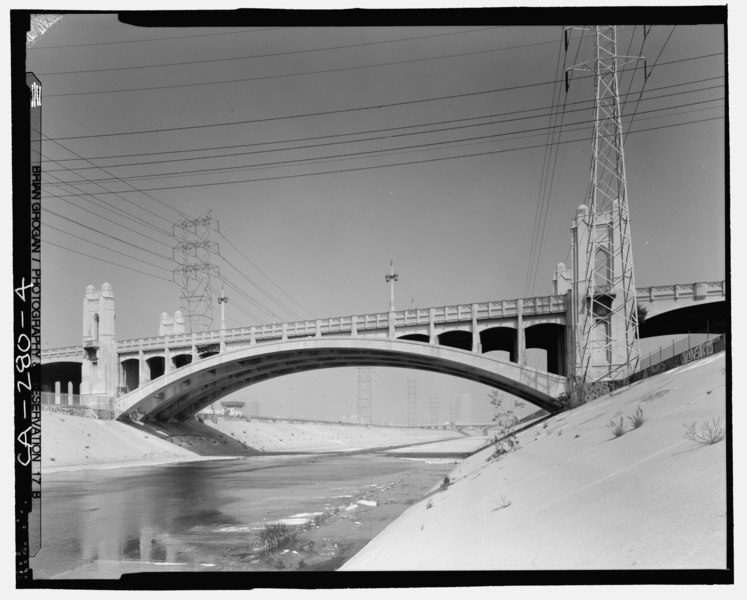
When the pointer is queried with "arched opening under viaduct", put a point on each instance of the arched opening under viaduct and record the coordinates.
(456, 339)
(130, 378)
(415, 337)
(156, 366)
(549, 337)
(181, 359)
(501, 339)
(62, 379)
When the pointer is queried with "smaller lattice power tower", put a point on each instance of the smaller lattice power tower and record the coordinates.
(365, 396)
(603, 291)
(193, 252)
(412, 402)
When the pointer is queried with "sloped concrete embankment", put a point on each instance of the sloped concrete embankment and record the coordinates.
(576, 496)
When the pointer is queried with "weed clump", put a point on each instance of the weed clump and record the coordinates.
(637, 419)
(711, 432)
(273, 535)
(617, 429)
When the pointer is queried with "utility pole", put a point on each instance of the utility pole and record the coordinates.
(222, 300)
(390, 278)
(433, 402)
(605, 310)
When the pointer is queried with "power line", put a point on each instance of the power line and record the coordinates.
(543, 173)
(51, 212)
(139, 260)
(546, 191)
(349, 155)
(287, 53)
(380, 130)
(105, 205)
(286, 75)
(371, 167)
(368, 139)
(118, 179)
(646, 78)
(355, 109)
(158, 39)
(251, 262)
(256, 302)
(104, 260)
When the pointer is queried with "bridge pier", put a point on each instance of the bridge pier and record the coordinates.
(476, 345)
(100, 368)
(144, 370)
(520, 350)
(168, 363)
(432, 337)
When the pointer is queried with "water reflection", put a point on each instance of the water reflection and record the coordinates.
(195, 516)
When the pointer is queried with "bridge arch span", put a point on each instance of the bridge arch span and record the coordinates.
(695, 318)
(181, 393)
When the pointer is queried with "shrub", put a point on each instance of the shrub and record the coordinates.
(274, 535)
(617, 429)
(637, 419)
(428, 504)
(711, 432)
(445, 484)
(503, 502)
(504, 446)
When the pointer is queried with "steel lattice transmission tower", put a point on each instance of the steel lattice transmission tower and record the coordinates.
(365, 399)
(412, 402)
(433, 403)
(604, 287)
(193, 253)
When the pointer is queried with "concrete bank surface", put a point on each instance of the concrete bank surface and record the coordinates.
(577, 496)
(71, 442)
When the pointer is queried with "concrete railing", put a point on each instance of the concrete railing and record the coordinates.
(57, 353)
(365, 322)
(677, 291)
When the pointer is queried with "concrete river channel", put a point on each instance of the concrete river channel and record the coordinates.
(208, 516)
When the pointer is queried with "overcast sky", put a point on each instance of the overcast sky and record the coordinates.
(336, 150)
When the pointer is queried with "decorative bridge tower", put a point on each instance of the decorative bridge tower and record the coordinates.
(100, 369)
(603, 291)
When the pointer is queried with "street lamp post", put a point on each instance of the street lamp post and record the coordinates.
(390, 278)
(222, 300)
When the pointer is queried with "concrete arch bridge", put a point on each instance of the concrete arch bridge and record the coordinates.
(181, 393)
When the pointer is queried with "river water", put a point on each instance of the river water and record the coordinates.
(206, 516)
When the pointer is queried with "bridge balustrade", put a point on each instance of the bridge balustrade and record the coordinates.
(66, 352)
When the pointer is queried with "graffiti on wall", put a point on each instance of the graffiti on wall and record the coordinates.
(591, 391)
